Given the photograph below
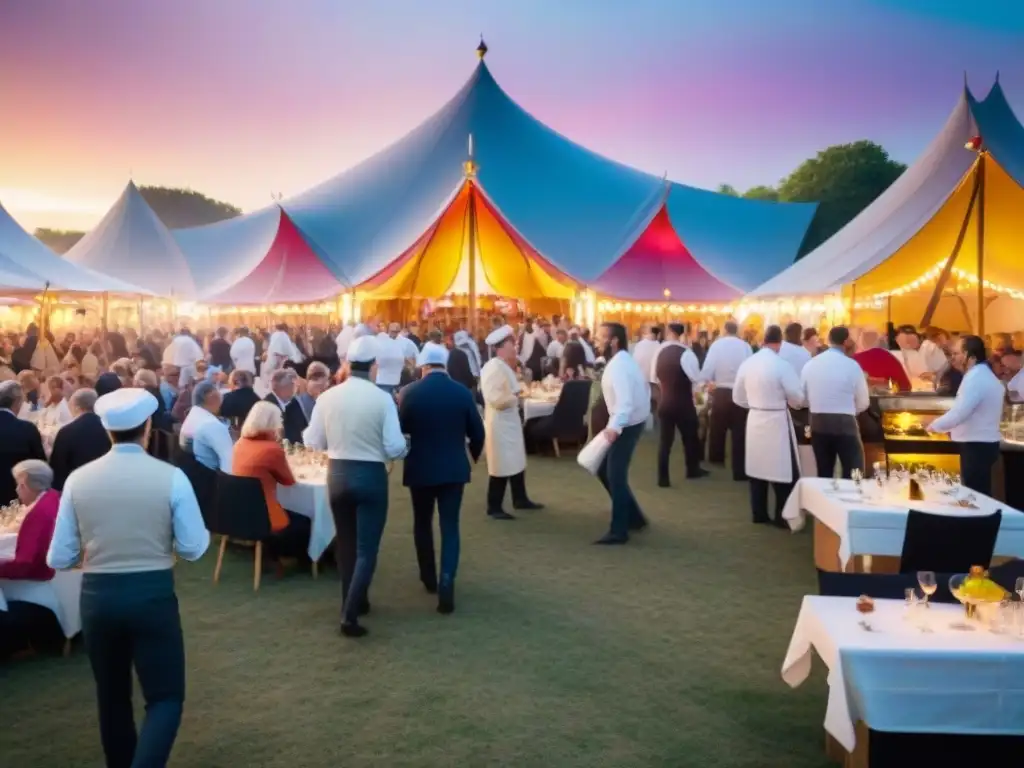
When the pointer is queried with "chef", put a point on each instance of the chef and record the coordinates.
(504, 445)
(768, 386)
(973, 421)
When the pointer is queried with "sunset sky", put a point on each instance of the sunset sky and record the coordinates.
(243, 98)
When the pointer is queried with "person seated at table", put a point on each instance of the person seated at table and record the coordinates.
(282, 394)
(19, 439)
(54, 405)
(258, 454)
(147, 380)
(27, 625)
(81, 441)
(203, 433)
(32, 398)
(170, 379)
(239, 401)
(318, 379)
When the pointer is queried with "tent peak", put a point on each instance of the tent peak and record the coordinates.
(481, 50)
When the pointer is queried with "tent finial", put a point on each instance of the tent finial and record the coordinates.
(997, 77)
(481, 50)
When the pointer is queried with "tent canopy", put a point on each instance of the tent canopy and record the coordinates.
(905, 236)
(27, 264)
(289, 272)
(132, 244)
(581, 210)
(438, 262)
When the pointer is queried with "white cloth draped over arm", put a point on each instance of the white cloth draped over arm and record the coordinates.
(191, 538)
(66, 544)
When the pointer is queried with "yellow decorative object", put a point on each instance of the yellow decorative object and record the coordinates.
(976, 589)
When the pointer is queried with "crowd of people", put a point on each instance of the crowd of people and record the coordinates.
(129, 406)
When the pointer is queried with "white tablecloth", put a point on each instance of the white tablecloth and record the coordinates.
(61, 594)
(898, 678)
(308, 497)
(534, 408)
(876, 524)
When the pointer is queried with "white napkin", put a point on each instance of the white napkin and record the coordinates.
(593, 453)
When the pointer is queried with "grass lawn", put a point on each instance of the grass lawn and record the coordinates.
(665, 652)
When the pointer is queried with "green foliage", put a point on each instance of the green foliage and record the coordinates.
(58, 240)
(844, 179)
(761, 192)
(727, 189)
(179, 208)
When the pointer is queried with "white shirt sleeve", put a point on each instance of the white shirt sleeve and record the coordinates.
(220, 441)
(395, 446)
(315, 435)
(66, 544)
(739, 387)
(862, 396)
(191, 538)
(795, 395)
(968, 399)
(690, 365)
(1016, 385)
(707, 372)
(618, 419)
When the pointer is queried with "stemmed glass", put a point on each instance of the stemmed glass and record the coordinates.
(1018, 587)
(857, 476)
(926, 579)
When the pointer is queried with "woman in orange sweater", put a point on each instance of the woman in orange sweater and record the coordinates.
(258, 454)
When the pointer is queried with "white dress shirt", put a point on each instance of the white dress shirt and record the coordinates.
(913, 362)
(588, 352)
(555, 350)
(408, 346)
(688, 362)
(977, 410)
(280, 350)
(835, 383)
(1016, 385)
(191, 538)
(626, 392)
(183, 352)
(243, 354)
(646, 355)
(723, 360)
(356, 421)
(344, 339)
(210, 439)
(795, 355)
(934, 357)
(391, 357)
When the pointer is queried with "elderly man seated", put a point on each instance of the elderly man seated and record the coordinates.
(318, 379)
(26, 625)
(203, 433)
(81, 441)
(19, 439)
(282, 394)
(242, 397)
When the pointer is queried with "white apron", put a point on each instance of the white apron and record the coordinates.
(504, 444)
(770, 443)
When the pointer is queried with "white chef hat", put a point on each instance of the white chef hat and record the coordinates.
(125, 408)
(432, 354)
(499, 335)
(362, 350)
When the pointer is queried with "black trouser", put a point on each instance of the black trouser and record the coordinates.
(496, 491)
(25, 626)
(759, 493)
(359, 504)
(131, 619)
(726, 416)
(293, 540)
(685, 421)
(829, 447)
(976, 462)
(448, 499)
(614, 476)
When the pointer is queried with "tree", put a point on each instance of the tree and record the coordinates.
(844, 179)
(762, 192)
(727, 189)
(176, 208)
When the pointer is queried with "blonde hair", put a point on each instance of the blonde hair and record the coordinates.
(146, 378)
(263, 418)
(317, 370)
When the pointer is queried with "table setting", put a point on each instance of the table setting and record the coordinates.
(47, 424)
(868, 516)
(539, 398)
(308, 497)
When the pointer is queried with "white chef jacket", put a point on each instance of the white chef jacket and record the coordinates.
(723, 361)
(626, 391)
(243, 354)
(183, 352)
(977, 410)
(835, 383)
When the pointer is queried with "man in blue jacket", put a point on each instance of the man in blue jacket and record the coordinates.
(438, 414)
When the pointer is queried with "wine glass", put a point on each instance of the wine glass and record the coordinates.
(926, 580)
(1018, 587)
(857, 476)
(528, 376)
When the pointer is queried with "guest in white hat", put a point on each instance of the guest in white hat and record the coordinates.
(440, 416)
(357, 424)
(506, 449)
(124, 516)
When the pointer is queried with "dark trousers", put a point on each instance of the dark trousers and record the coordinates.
(496, 491)
(976, 462)
(829, 447)
(725, 417)
(759, 493)
(25, 626)
(448, 500)
(131, 619)
(359, 503)
(614, 476)
(685, 421)
(293, 540)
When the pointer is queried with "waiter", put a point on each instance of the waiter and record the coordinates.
(357, 424)
(505, 447)
(973, 421)
(769, 387)
(836, 391)
(126, 533)
(675, 368)
(720, 366)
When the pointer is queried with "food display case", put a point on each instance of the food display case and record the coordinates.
(905, 418)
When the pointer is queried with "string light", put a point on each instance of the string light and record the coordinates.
(875, 301)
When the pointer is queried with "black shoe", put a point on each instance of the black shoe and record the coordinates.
(364, 609)
(499, 514)
(353, 630)
(664, 483)
(610, 539)
(526, 505)
(698, 474)
(762, 520)
(446, 600)
(778, 522)
(638, 526)
(430, 586)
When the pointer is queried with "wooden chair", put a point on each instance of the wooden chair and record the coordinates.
(240, 513)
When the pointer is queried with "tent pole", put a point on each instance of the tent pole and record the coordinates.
(940, 285)
(981, 244)
(104, 312)
(472, 259)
